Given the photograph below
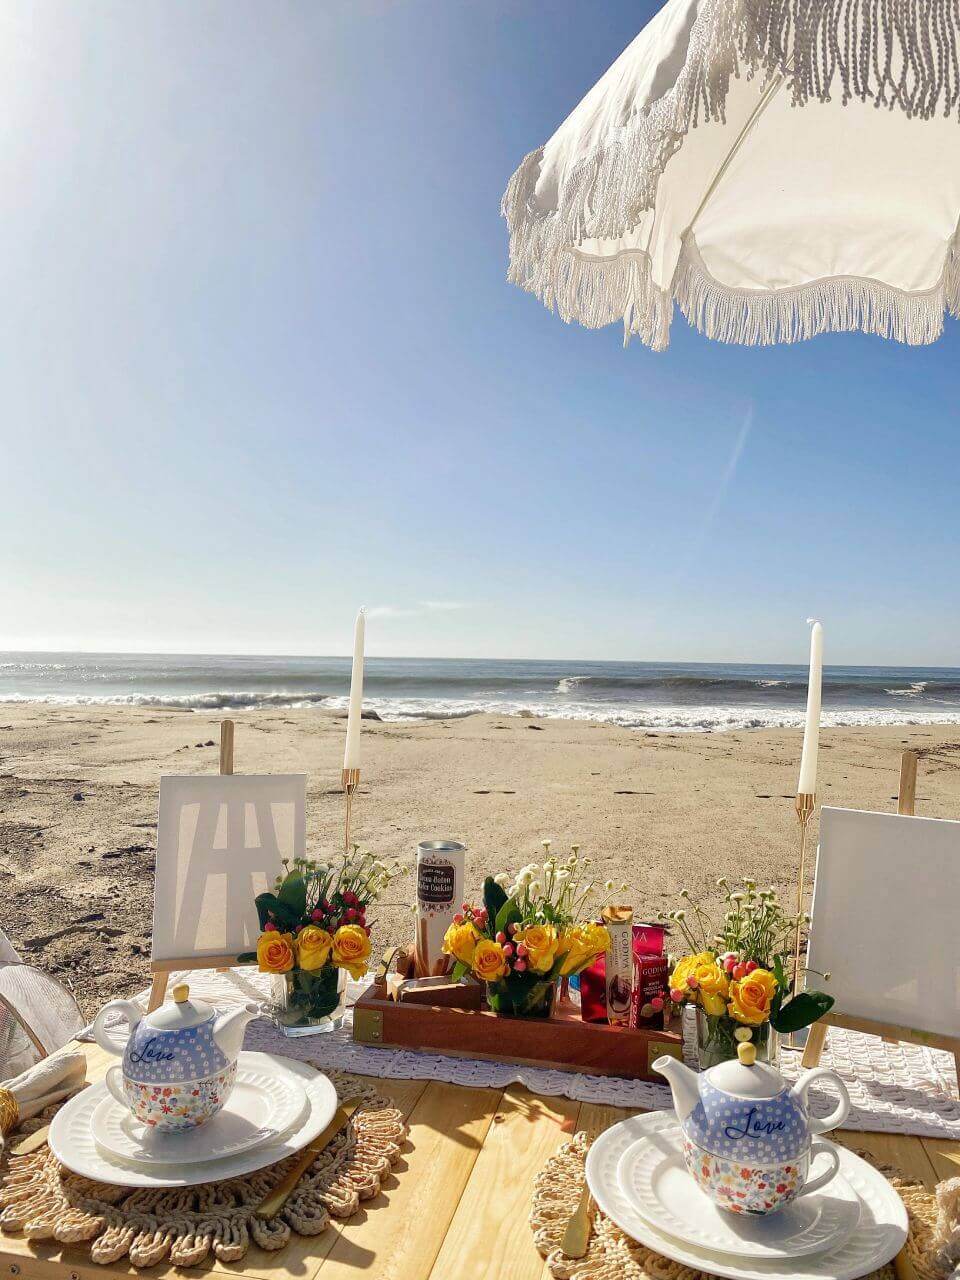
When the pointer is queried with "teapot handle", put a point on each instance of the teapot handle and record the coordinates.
(99, 1029)
(836, 1118)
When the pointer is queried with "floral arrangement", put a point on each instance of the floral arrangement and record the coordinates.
(315, 930)
(736, 974)
(525, 936)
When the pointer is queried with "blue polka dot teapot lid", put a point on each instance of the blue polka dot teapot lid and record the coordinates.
(185, 1039)
(745, 1111)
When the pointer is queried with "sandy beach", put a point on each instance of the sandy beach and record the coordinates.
(78, 796)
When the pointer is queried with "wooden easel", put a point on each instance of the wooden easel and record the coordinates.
(890, 1032)
(161, 969)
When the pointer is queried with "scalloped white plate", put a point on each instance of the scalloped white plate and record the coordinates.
(71, 1137)
(263, 1104)
(878, 1238)
(654, 1177)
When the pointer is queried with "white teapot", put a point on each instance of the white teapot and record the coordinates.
(747, 1135)
(180, 1061)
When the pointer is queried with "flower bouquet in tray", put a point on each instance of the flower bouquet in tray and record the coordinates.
(315, 933)
(527, 935)
(735, 975)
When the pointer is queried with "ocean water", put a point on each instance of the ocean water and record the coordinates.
(638, 695)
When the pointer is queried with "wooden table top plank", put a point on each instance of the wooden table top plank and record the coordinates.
(489, 1237)
(398, 1235)
(896, 1149)
(944, 1156)
(305, 1255)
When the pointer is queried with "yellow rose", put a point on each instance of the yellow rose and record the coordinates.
(488, 960)
(581, 944)
(750, 998)
(351, 949)
(541, 942)
(713, 986)
(275, 952)
(686, 967)
(460, 941)
(313, 947)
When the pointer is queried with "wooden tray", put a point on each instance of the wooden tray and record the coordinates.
(564, 1041)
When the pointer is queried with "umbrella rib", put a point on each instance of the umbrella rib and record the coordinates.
(771, 90)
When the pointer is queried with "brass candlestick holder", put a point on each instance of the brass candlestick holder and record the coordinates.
(806, 803)
(350, 779)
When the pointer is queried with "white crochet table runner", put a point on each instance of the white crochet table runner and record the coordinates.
(893, 1088)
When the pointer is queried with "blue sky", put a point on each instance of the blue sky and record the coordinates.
(259, 364)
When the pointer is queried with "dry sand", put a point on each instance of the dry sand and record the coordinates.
(78, 796)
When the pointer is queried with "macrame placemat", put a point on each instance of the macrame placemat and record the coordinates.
(612, 1255)
(41, 1200)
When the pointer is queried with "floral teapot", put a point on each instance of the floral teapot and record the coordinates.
(180, 1061)
(747, 1135)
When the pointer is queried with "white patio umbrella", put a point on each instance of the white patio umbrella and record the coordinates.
(734, 161)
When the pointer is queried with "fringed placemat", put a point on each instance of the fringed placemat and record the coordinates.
(933, 1239)
(41, 1200)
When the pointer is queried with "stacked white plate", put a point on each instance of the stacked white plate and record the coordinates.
(275, 1108)
(637, 1176)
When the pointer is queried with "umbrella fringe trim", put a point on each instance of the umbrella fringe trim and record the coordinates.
(838, 304)
(906, 58)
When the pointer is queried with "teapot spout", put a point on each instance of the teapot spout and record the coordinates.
(229, 1029)
(683, 1083)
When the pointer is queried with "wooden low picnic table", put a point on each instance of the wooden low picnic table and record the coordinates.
(456, 1206)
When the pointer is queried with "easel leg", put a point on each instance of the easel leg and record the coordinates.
(158, 989)
(816, 1038)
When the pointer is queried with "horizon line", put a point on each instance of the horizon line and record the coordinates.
(700, 662)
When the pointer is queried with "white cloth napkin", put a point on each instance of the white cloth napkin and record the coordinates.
(50, 1080)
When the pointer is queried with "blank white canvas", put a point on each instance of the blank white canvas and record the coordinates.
(886, 906)
(220, 842)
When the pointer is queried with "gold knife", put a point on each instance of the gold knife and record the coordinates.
(576, 1237)
(32, 1142)
(274, 1201)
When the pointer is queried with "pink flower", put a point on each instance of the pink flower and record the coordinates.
(740, 971)
(692, 982)
(316, 914)
(458, 918)
(508, 950)
(520, 966)
(751, 965)
(512, 929)
(730, 963)
(521, 949)
(269, 927)
(677, 996)
(352, 914)
(501, 937)
(657, 1003)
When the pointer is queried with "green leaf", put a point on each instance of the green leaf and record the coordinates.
(802, 1010)
(265, 902)
(293, 894)
(460, 970)
(493, 897)
(509, 913)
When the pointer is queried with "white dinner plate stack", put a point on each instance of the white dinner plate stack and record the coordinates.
(275, 1108)
(852, 1226)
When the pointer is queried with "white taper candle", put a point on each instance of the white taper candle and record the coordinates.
(351, 751)
(811, 732)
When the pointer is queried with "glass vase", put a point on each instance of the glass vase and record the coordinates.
(522, 996)
(309, 1003)
(716, 1041)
